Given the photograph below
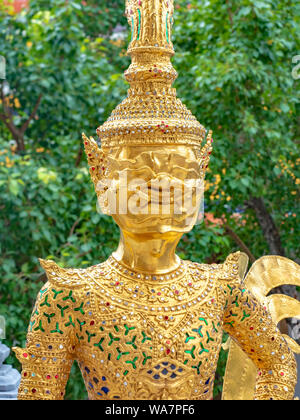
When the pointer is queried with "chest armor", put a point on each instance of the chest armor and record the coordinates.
(135, 336)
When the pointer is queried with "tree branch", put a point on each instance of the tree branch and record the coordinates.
(267, 225)
(7, 118)
(32, 115)
(229, 13)
(239, 241)
(79, 157)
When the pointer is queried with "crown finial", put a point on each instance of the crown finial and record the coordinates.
(151, 25)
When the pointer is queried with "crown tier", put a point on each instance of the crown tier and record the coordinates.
(151, 114)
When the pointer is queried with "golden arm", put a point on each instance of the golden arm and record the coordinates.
(250, 325)
(49, 353)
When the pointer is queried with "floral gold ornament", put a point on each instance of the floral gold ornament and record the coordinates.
(144, 324)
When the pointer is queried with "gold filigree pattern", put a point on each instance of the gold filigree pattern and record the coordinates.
(126, 351)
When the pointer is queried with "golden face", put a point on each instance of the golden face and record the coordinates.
(152, 190)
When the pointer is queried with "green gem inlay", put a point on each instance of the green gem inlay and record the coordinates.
(132, 362)
(42, 292)
(214, 327)
(81, 324)
(70, 296)
(62, 309)
(120, 354)
(203, 349)
(236, 302)
(128, 329)
(245, 315)
(90, 335)
(203, 320)
(167, 28)
(199, 331)
(40, 327)
(99, 344)
(131, 343)
(80, 309)
(139, 27)
(45, 302)
(191, 352)
(188, 338)
(57, 330)
(49, 316)
(145, 337)
(112, 339)
(197, 367)
(56, 293)
(70, 322)
(230, 288)
(146, 358)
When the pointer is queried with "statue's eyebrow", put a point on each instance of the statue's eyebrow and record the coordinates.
(186, 162)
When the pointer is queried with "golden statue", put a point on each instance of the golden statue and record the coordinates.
(144, 324)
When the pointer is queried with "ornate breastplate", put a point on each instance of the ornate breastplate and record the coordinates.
(134, 336)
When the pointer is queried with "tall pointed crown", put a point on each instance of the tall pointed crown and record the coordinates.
(151, 114)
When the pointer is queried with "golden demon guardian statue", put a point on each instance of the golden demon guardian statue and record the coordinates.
(144, 324)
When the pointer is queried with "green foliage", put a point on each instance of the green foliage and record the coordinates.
(49, 51)
(237, 55)
(234, 61)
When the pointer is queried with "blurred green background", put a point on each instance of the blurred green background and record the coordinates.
(64, 75)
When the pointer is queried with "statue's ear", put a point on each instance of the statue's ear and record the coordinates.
(204, 155)
(96, 158)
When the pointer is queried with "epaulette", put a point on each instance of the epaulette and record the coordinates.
(66, 277)
(235, 266)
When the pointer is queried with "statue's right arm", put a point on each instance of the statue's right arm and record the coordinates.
(50, 347)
